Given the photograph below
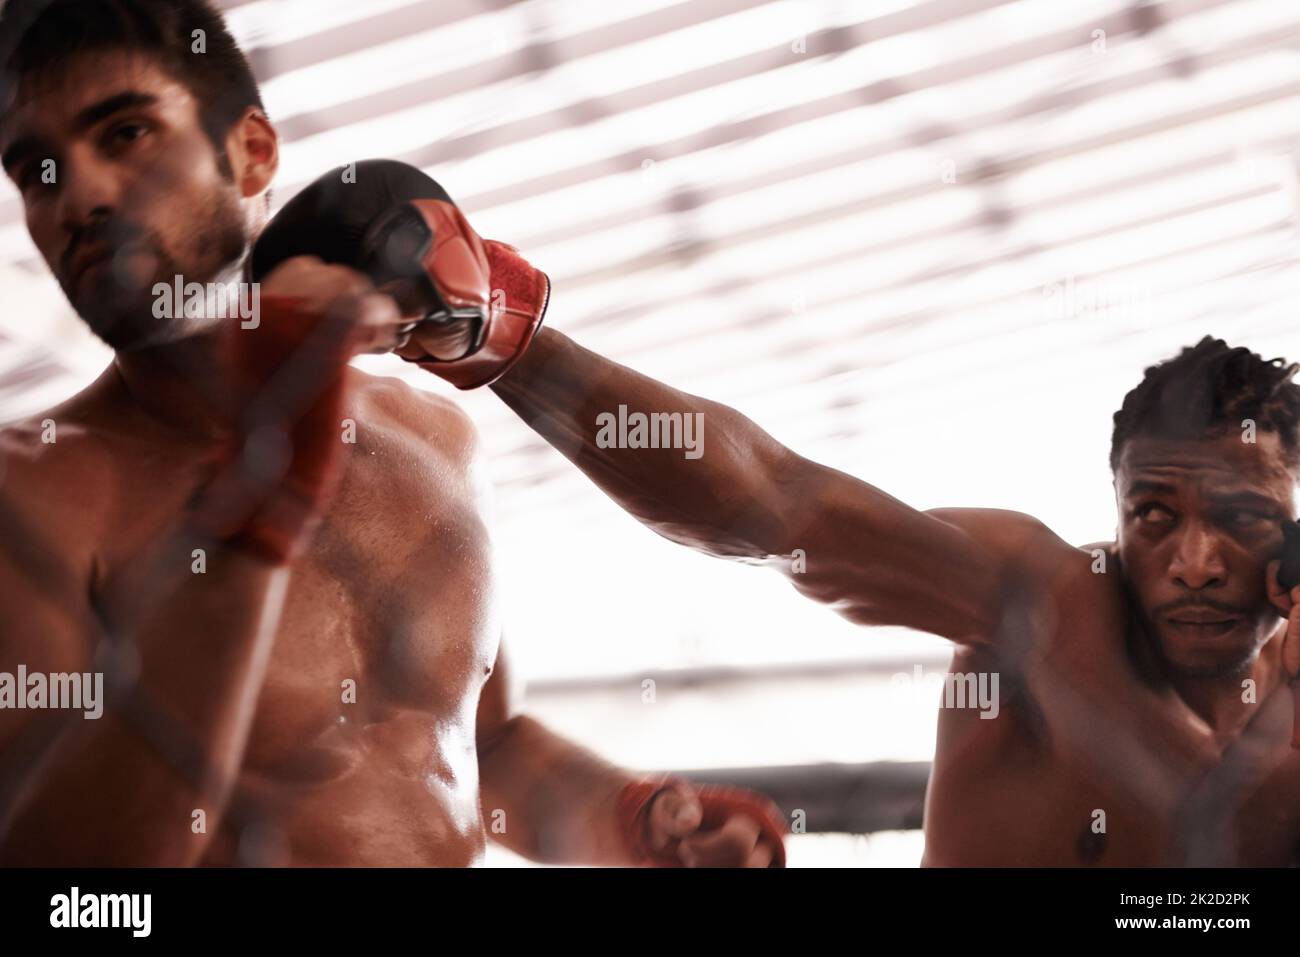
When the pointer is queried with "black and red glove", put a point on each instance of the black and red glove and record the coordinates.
(481, 302)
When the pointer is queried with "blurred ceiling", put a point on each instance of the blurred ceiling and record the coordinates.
(814, 211)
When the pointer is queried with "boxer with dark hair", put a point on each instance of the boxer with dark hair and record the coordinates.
(280, 562)
(1146, 715)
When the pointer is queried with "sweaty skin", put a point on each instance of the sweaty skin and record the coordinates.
(1123, 737)
(395, 594)
(407, 617)
(395, 597)
(352, 708)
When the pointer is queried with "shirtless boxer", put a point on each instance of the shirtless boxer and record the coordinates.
(1145, 716)
(331, 688)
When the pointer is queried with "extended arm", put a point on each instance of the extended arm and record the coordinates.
(864, 553)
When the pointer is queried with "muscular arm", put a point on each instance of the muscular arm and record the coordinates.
(554, 799)
(98, 792)
(867, 555)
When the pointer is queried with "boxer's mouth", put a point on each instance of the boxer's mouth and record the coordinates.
(1203, 622)
(87, 260)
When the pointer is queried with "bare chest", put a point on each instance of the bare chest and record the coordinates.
(1087, 765)
(390, 612)
(389, 620)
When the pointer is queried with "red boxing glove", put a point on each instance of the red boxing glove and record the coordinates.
(480, 302)
(487, 286)
(718, 804)
(282, 462)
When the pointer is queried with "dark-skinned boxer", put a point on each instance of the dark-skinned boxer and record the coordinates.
(1149, 719)
(302, 631)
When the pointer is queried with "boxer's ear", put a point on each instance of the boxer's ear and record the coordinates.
(253, 151)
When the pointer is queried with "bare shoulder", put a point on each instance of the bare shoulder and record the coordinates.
(1080, 585)
(51, 471)
(49, 453)
(1026, 544)
(424, 439)
(59, 469)
(1002, 530)
(433, 416)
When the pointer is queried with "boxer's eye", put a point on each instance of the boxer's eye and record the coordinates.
(1244, 517)
(123, 135)
(1154, 514)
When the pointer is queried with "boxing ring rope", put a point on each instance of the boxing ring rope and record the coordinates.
(836, 798)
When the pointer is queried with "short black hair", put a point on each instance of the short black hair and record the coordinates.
(37, 36)
(1210, 388)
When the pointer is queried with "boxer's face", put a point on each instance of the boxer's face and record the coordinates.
(138, 195)
(1198, 524)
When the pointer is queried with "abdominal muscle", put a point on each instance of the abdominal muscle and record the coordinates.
(361, 798)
